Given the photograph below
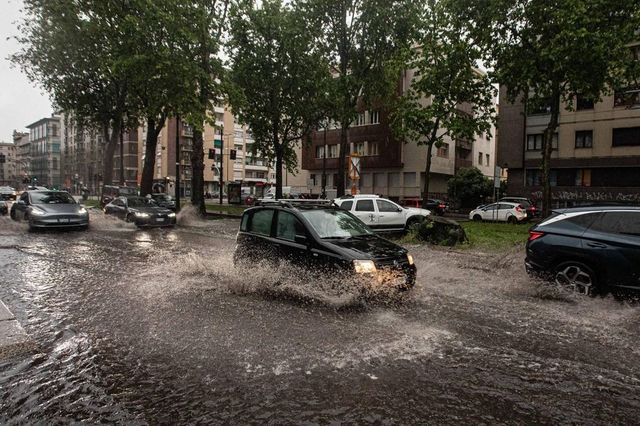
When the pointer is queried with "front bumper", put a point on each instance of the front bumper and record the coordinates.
(59, 221)
(155, 221)
(400, 277)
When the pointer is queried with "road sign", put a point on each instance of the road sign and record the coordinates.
(354, 167)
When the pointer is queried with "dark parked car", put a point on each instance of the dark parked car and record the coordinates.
(141, 211)
(50, 209)
(588, 249)
(527, 204)
(322, 237)
(435, 206)
(165, 200)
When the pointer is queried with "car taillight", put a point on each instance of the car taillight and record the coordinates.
(534, 235)
(441, 206)
(519, 209)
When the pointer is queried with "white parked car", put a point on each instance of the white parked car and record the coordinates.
(500, 212)
(381, 214)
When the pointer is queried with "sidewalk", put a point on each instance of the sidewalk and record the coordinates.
(13, 339)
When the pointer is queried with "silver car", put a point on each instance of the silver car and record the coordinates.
(50, 209)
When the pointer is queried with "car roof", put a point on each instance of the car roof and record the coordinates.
(599, 208)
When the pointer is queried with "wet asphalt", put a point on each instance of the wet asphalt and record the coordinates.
(158, 327)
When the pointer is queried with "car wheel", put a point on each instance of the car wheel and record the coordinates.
(512, 220)
(477, 218)
(412, 221)
(130, 218)
(12, 213)
(576, 276)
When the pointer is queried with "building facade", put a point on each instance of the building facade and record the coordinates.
(23, 158)
(82, 156)
(8, 176)
(596, 151)
(389, 166)
(45, 152)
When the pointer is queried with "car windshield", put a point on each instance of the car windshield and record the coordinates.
(52, 197)
(140, 202)
(162, 197)
(335, 224)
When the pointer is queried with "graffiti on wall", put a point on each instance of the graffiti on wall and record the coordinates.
(633, 197)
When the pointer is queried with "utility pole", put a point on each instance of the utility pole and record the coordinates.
(221, 161)
(177, 190)
(324, 164)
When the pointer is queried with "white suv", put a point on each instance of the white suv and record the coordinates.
(381, 214)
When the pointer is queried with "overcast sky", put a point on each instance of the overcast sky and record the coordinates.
(20, 102)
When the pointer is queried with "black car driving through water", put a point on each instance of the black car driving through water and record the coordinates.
(588, 249)
(141, 211)
(322, 237)
(164, 200)
(50, 209)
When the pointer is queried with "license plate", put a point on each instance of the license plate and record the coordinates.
(159, 219)
(63, 220)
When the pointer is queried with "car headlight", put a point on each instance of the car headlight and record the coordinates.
(172, 215)
(364, 266)
(141, 214)
(37, 212)
(82, 211)
(410, 259)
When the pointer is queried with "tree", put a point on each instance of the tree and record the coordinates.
(549, 53)
(205, 22)
(279, 79)
(359, 39)
(449, 96)
(469, 187)
(75, 50)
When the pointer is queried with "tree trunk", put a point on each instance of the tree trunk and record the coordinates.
(278, 172)
(427, 173)
(112, 139)
(547, 149)
(146, 183)
(197, 168)
(342, 157)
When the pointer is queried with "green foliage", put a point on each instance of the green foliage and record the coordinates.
(280, 81)
(449, 97)
(469, 187)
(495, 236)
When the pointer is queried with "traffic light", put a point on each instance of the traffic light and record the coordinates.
(232, 154)
(212, 154)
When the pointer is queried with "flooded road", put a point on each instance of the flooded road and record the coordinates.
(157, 326)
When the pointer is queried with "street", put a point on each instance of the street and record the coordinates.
(157, 326)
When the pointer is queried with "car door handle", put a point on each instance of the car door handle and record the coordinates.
(597, 245)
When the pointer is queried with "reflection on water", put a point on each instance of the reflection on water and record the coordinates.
(159, 326)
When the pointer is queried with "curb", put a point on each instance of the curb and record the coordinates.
(13, 339)
(224, 215)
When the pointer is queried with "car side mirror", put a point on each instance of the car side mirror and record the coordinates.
(21, 203)
(301, 239)
(399, 209)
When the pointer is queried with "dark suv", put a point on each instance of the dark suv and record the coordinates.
(589, 249)
(325, 238)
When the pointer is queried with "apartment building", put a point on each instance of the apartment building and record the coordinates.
(8, 176)
(45, 152)
(596, 151)
(389, 166)
(82, 156)
(23, 158)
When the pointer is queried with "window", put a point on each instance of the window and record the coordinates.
(534, 142)
(386, 206)
(626, 136)
(539, 106)
(583, 177)
(584, 138)
(320, 151)
(626, 97)
(261, 222)
(358, 148)
(480, 159)
(443, 151)
(346, 205)
(360, 120)
(625, 223)
(583, 103)
(375, 117)
(312, 178)
(288, 226)
(410, 179)
(333, 151)
(534, 177)
(373, 148)
(502, 206)
(487, 158)
(364, 206)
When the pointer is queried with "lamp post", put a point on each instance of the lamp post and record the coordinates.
(177, 188)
